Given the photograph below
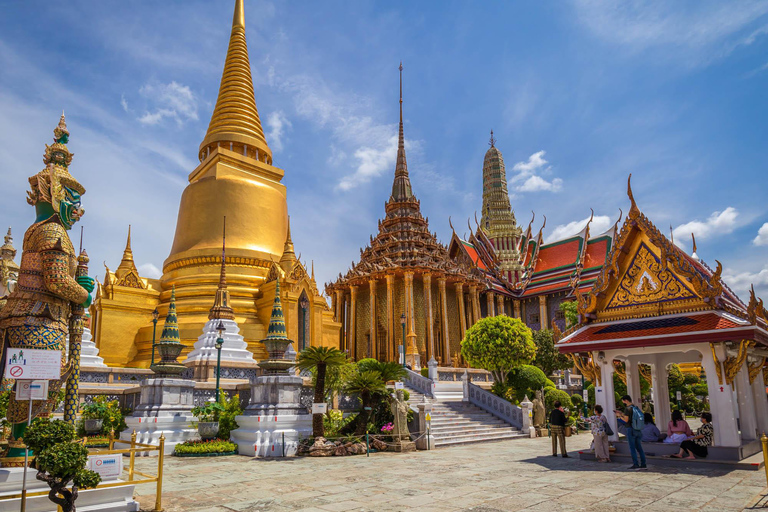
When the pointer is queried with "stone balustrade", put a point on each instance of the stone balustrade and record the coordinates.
(420, 383)
(495, 405)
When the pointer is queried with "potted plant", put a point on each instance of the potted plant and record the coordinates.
(208, 419)
(93, 416)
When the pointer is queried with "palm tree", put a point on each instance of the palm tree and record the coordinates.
(318, 359)
(366, 385)
(391, 371)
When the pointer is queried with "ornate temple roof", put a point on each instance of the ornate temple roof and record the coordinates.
(126, 273)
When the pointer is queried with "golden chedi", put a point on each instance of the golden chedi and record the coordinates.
(236, 180)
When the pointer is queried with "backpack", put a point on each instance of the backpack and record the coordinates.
(638, 420)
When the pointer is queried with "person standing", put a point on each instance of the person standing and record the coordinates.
(633, 416)
(557, 427)
(600, 429)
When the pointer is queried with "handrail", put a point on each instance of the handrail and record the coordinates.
(420, 383)
(495, 405)
(135, 447)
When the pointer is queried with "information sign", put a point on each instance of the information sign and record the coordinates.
(319, 408)
(108, 466)
(585, 394)
(32, 390)
(30, 364)
(679, 396)
(399, 385)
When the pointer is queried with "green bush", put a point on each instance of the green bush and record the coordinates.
(690, 379)
(210, 412)
(553, 395)
(101, 408)
(230, 410)
(700, 389)
(577, 400)
(548, 358)
(368, 365)
(498, 344)
(526, 380)
(425, 372)
(199, 446)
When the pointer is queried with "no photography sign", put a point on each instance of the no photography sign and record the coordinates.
(31, 364)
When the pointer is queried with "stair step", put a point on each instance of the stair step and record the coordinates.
(444, 443)
(484, 432)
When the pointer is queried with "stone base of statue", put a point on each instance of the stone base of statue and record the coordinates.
(402, 446)
(109, 499)
(165, 408)
(275, 420)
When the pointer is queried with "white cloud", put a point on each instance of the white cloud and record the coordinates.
(278, 123)
(123, 103)
(762, 235)
(527, 175)
(719, 223)
(600, 224)
(371, 162)
(150, 270)
(740, 282)
(171, 100)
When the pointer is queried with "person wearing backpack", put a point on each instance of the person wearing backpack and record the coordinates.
(635, 423)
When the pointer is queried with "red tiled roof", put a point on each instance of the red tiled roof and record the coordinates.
(530, 290)
(596, 253)
(528, 254)
(557, 255)
(472, 252)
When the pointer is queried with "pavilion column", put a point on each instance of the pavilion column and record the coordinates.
(476, 304)
(462, 314)
(353, 322)
(516, 307)
(633, 381)
(761, 402)
(606, 396)
(660, 384)
(373, 341)
(543, 312)
(335, 306)
(427, 278)
(475, 316)
(347, 318)
(339, 309)
(444, 314)
(391, 350)
(500, 305)
(720, 398)
(489, 304)
(409, 321)
(747, 419)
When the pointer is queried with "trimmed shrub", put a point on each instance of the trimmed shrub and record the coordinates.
(556, 395)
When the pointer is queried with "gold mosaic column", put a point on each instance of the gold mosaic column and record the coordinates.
(516, 306)
(543, 311)
(444, 308)
(460, 300)
(473, 298)
(409, 322)
(374, 344)
(500, 305)
(352, 340)
(489, 304)
(339, 305)
(391, 351)
(430, 319)
(347, 317)
(334, 306)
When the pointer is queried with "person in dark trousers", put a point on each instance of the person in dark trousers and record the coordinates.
(557, 427)
(634, 436)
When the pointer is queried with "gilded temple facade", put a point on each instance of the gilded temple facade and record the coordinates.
(236, 179)
(9, 269)
(405, 285)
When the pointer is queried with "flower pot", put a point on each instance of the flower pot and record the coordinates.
(93, 426)
(208, 429)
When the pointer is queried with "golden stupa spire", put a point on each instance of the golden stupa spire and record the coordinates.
(221, 308)
(127, 264)
(235, 122)
(289, 256)
(401, 188)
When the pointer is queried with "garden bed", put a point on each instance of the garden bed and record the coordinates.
(200, 448)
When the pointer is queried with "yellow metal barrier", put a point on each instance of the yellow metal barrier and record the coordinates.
(764, 440)
(145, 478)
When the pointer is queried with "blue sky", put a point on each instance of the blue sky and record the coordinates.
(579, 94)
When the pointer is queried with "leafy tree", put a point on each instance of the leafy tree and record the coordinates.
(390, 371)
(59, 460)
(526, 380)
(319, 359)
(689, 379)
(366, 384)
(498, 344)
(571, 312)
(577, 400)
(230, 410)
(548, 358)
(553, 395)
(675, 378)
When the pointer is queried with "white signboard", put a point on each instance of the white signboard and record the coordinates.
(29, 364)
(108, 466)
(399, 385)
(585, 393)
(319, 408)
(31, 390)
(679, 395)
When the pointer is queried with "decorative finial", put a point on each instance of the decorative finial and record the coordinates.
(170, 332)
(492, 142)
(671, 234)
(634, 208)
(693, 237)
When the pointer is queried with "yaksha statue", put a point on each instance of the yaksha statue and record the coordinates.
(37, 313)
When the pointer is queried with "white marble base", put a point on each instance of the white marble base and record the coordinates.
(233, 350)
(262, 436)
(110, 499)
(89, 354)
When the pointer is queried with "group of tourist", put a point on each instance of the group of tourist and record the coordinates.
(639, 428)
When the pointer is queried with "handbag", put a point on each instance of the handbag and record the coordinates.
(608, 429)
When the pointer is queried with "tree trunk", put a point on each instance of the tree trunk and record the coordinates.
(318, 429)
(365, 414)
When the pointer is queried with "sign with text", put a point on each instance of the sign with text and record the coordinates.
(679, 396)
(31, 364)
(319, 408)
(108, 466)
(399, 385)
(585, 393)
(31, 389)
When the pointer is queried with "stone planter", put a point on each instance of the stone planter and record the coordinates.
(93, 426)
(208, 429)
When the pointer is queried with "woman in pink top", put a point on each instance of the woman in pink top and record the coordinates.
(678, 429)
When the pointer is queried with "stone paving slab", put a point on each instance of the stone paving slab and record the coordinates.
(505, 476)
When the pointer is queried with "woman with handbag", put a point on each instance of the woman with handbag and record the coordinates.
(600, 432)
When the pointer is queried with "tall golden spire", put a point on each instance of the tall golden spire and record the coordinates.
(289, 256)
(235, 120)
(401, 188)
(221, 308)
(127, 264)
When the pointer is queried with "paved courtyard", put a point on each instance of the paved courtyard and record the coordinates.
(503, 476)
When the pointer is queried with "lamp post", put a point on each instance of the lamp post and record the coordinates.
(219, 343)
(155, 316)
(402, 322)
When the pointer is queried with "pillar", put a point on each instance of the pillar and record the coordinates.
(352, 340)
(606, 396)
(633, 381)
(720, 400)
(339, 309)
(409, 321)
(761, 402)
(475, 316)
(391, 329)
(460, 300)
(444, 311)
(660, 385)
(489, 304)
(347, 318)
(427, 278)
(335, 305)
(543, 312)
(516, 307)
(500, 305)
(476, 304)
(372, 295)
(746, 401)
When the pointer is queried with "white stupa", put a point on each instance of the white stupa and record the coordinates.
(89, 353)
(234, 351)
